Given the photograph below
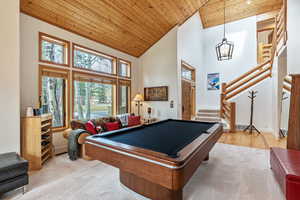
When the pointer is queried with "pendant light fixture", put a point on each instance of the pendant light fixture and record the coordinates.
(225, 48)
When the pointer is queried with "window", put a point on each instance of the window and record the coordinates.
(53, 96)
(124, 68)
(53, 50)
(94, 97)
(124, 97)
(187, 72)
(101, 84)
(92, 60)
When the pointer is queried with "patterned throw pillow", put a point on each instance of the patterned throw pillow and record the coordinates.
(111, 126)
(90, 127)
(134, 120)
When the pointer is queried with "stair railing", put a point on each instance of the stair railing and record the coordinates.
(258, 73)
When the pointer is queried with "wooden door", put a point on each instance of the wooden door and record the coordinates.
(186, 88)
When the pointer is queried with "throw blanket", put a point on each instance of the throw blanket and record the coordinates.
(73, 146)
(123, 119)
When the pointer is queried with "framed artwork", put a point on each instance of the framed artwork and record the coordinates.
(213, 81)
(156, 93)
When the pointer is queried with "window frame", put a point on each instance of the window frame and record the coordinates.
(186, 66)
(66, 52)
(95, 52)
(95, 76)
(66, 76)
(120, 60)
(125, 83)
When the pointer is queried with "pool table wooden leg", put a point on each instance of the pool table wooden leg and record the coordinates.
(147, 188)
(206, 158)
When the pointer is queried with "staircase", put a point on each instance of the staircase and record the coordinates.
(208, 116)
(256, 75)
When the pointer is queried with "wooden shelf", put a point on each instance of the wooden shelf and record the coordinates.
(46, 125)
(36, 131)
(45, 152)
(46, 132)
(45, 158)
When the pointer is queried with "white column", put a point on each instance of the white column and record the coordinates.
(9, 76)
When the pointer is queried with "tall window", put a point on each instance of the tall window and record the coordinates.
(124, 68)
(53, 50)
(53, 94)
(92, 60)
(124, 97)
(94, 97)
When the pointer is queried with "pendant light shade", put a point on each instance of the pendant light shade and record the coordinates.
(225, 48)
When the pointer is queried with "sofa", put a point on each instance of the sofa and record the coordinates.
(13, 172)
(285, 164)
(102, 126)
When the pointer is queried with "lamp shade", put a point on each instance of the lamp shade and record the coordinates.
(224, 50)
(138, 97)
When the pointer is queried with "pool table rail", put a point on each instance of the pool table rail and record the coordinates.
(162, 158)
(152, 173)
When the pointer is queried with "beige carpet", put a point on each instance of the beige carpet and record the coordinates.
(232, 173)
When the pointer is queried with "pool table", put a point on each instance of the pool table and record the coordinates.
(158, 159)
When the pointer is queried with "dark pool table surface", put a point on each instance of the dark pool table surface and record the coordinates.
(167, 136)
(158, 159)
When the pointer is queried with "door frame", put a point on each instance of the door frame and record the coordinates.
(192, 81)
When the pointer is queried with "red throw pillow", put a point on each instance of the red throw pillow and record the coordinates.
(111, 126)
(134, 120)
(90, 127)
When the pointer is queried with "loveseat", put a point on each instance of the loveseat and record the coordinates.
(103, 124)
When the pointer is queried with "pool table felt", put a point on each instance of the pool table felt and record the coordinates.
(168, 136)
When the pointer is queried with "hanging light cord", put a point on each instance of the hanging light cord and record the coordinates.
(224, 17)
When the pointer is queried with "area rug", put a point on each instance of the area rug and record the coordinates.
(232, 173)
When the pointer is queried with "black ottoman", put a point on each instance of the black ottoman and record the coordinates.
(13, 172)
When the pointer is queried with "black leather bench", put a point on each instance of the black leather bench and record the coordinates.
(13, 172)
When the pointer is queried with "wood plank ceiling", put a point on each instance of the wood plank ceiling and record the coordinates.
(133, 26)
(212, 13)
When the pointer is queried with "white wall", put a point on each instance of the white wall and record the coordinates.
(243, 34)
(30, 27)
(159, 68)
(293, 42)
(190, 49)
(9, 76)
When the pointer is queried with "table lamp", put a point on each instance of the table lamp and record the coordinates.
(138, 99)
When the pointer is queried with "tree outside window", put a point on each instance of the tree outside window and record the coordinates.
(92, 100)
(92, 61)
(52, 52)
(53, 96)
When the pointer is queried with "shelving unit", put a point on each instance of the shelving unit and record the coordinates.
(37, 145)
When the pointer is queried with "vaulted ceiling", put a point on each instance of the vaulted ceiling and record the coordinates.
(212, 13)
(133, 26)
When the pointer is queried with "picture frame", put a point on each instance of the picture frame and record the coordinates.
(159, 93)
(213, 81)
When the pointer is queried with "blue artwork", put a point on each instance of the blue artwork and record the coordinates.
(213, 81)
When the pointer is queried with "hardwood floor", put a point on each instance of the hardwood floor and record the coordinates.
(262, 141)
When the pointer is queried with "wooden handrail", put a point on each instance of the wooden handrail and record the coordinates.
(247, 73)
(258, 73)
(249, 85)
(247, 80)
